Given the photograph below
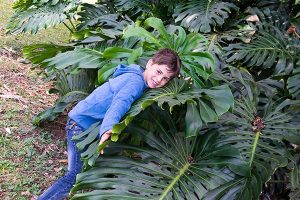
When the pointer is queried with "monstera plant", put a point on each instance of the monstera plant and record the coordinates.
(225, 132)
(166, 166)
(244, 148)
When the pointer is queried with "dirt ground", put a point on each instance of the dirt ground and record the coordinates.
(31, 158)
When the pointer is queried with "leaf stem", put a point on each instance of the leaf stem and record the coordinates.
(171, 185)
(72, 24)
(254, 148)
(68, 27)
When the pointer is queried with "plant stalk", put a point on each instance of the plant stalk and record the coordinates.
(254, 148)
(72, 24)
(171, 185)
(68, 27)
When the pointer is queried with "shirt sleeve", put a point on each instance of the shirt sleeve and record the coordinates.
(120, 105)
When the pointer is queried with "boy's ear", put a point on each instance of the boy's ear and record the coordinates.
(149, 63)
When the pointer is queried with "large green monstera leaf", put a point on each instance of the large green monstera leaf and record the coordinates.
(258, 132)
(203, 15)
(101, 22)
(135, 5)
(168, 166)
(269, 46)
(267, 49)
(83, 58)
(42, 15)
(195, 63)
(260, 126)
(207, 104)
(38, 53)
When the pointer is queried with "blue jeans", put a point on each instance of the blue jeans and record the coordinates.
(61, 188)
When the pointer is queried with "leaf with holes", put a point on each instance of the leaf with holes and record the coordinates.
(258, 132)
(35, 18)
(211, 104)
(168, 167)
(195, 63)
(203, 15)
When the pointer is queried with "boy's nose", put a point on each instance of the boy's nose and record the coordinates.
(159, 79)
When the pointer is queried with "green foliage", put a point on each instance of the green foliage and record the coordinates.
(73, 87)
(38, 53)
(195, 63)
(136, 5)
(259, 135)
(67, 81)
(66, 101)
(78, 58)
(294, 179)
(105, 24)
(163, 169)
(25, 4)
(294, 80)
(33, 19)
(209, 105)
(267, 48)
(190, 154)
(139, 10)
(203, 16)
(258, 127)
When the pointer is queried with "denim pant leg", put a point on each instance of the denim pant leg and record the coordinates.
(61, 188)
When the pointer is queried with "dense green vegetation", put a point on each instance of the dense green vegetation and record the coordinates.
(227, 133)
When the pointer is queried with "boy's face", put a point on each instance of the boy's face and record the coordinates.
(157, 76)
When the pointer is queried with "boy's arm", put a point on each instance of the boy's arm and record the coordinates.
(120, 105)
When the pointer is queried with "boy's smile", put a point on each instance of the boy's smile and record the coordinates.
(157, 76)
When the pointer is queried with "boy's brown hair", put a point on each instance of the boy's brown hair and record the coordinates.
(168, 57)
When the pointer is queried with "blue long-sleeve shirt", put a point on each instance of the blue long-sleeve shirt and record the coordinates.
(110, 102)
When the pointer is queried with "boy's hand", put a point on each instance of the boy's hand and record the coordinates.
(105, 137)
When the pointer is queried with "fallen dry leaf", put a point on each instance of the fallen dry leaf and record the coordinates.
(25, 193)
(65, 161)
(56, 169)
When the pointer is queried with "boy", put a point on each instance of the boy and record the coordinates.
(108, 104)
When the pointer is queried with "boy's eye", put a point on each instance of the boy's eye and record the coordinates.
(159, 72)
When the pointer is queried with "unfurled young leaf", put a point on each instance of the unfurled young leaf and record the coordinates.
(193, 120)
